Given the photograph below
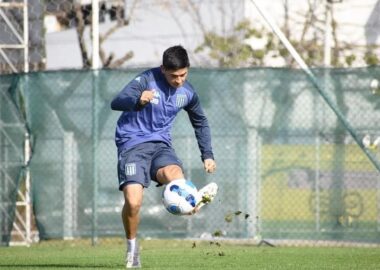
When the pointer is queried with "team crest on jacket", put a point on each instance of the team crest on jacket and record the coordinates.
(180, 100)
(156, 98)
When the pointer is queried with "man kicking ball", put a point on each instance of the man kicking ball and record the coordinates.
(149, 105)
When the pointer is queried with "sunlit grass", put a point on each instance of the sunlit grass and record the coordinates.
(185, 254)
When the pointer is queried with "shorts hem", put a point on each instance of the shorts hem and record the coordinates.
(125, 183)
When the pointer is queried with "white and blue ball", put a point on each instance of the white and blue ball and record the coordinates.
(180, 197)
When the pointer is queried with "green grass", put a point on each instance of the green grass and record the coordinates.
(176, 254)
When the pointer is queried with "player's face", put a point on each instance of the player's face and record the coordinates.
(176, 78)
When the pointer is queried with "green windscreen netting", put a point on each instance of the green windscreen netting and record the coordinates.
(12, 131)
(288, 169)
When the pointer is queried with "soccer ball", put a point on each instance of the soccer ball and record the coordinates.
(180, 197)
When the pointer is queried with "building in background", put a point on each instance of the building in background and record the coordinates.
(150, 26)
(157, 24)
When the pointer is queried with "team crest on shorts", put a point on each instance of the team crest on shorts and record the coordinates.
(130, 169)
(180, 100)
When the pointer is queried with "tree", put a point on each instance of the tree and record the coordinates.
(232, 50)
(236, 49)
(108, 61)
(72, 14)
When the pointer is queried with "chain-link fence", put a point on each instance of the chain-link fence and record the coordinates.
(288, 170)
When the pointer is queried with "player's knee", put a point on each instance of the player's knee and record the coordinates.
(132, 206)
(172, 172)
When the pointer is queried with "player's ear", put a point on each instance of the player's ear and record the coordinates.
(162, 69)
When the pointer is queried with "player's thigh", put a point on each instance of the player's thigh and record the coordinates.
(169, 173)
(166, 165)
(134, 166)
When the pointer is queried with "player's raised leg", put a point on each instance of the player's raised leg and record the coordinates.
(169, 173)
(133, 195)
(207, 193)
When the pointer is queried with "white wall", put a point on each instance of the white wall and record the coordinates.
(158, 24)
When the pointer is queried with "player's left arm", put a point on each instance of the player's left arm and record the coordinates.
(202, 132)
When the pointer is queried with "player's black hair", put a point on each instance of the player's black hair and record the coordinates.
(175, 58)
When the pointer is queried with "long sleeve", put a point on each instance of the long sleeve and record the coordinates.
(128, 98)
(200, 124)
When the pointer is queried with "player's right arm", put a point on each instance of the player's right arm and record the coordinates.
(146, 97)
(133, 96)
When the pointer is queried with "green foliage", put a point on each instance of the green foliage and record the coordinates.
(371, 59)
(232, 50)
(283, 51)
(350, 59)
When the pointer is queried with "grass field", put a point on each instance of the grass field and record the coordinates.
(176, 254)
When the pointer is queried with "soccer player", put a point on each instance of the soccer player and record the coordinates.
(149, 104)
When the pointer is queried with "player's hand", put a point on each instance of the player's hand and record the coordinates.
(146, 97)
(209, 165)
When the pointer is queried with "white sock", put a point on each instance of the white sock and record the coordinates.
(131, 245)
